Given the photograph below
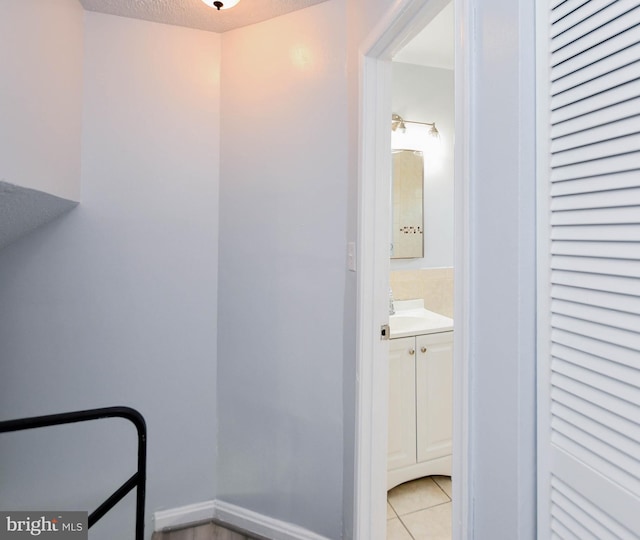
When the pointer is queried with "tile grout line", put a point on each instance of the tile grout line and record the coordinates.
(441, 489)
(400, 520)
(423, 509)
(448, 500)
(415, 512)
(393, 509)
(407, 529)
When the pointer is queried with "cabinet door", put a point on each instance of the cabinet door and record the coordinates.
(402, 403)
(434, 395)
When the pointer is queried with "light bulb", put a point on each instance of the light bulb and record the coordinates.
(221, 4)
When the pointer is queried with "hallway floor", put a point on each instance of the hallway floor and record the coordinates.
(416, 510)
(420, 510)
(206, 531)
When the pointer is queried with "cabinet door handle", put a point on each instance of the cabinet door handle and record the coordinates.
(412, 351)
(423, 349)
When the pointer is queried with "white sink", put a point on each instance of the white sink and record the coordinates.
(412, 319)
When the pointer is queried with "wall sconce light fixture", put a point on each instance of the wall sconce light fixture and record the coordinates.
(397, 122)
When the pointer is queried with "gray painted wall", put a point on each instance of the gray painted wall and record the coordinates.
(425, 94)
(40, 113)
(282, 267)
(41, 95)
(115, 303)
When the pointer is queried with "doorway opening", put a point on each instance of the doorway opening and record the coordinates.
(420, 398)
(402, 25)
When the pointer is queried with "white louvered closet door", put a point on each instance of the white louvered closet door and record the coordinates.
(589, 269)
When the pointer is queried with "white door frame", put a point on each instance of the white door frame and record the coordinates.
(404, 20)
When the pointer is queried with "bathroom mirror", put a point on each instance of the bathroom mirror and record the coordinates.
(407, 205)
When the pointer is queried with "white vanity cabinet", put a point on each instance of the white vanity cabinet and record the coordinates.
(401, 440)
(420, 407)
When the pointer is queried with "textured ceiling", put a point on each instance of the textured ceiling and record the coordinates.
(195, 14)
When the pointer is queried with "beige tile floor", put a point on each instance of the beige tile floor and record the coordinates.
(420, 510)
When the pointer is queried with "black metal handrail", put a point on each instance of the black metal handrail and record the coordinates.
(138, 480)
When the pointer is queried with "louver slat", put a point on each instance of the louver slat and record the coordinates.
(622, 375)
(597, 216)
(624, 145)
(616, 336)
(601, 52)
(606, 442)
(580, 25)
(597, 167)
(611, 97)
(609, 79)
(607, 317)
(615, 422)
(613, 131)
(559, 531)
(586, 510)
(586, 520)
(610, 233)
(596, 396)
(603, 299)
(593, 265)
(597, 32)
(609, 385)
(625, 56)
(562, 8)
(586, 449)
(603, 183)
(597, 117)
(613, 250)
(573, 17)
(570, 523)
(602, 199)
(614, 284)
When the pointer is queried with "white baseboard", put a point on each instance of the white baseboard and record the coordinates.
(183, 515)
(260, 524)
(235, 516)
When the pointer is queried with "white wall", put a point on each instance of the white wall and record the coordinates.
(115, 303)
(282, 266)
(425, 94)
(502, 303)
(41, 95)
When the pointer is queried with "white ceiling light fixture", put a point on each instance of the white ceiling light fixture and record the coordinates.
(219, 4)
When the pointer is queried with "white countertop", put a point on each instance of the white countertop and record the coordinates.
(412, 319)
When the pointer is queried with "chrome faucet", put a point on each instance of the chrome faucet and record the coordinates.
(392, 311)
